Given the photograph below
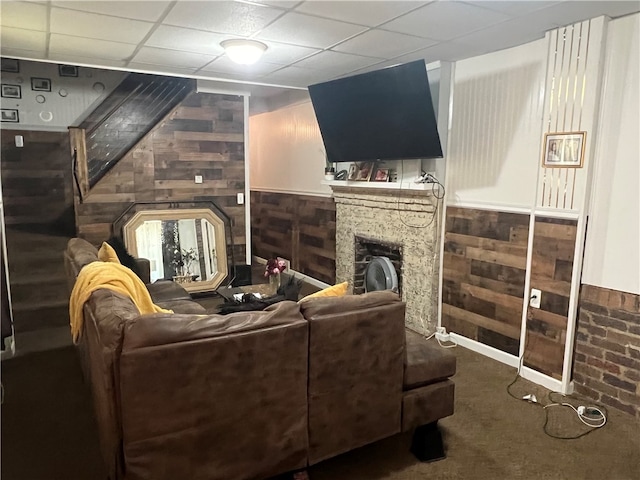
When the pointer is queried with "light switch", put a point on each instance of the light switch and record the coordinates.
(19, 141)
(198, 178)
(240, 198)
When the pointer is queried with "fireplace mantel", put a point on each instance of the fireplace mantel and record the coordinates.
(408, 186)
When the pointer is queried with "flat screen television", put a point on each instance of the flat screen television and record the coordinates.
(382, 115)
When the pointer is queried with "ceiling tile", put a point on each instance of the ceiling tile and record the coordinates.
(88, 47)
(508, 34)
(18, 52)
(149, 67)
(567, 13)
(224, 17)
(284, 54)
(23, 15)
(224, 65)
(296, 77)
(363, 13)
(308, 31)
(445, 20)
(138, 10)
(78, 59)
(383, 44)
(336, 63)
(23, 39)
(277, 3)
(513, 8)
(160, 56)
(102, 27)
(177, 38)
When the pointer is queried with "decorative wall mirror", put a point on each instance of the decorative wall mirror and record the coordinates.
(187, 246)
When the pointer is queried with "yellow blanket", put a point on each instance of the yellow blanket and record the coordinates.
(114, 277)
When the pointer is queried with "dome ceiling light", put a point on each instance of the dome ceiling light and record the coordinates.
(244, 52)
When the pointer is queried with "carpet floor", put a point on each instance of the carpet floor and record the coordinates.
(49, 432)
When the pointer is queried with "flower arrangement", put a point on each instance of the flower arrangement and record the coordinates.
(275, 266)
(184, 259)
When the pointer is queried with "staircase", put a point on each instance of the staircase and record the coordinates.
(126, 115)
(39, 290)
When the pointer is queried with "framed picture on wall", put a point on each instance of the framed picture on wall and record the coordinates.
(68, 70)
(40, 84)
(9, 115)
(564, 149)
(11, 91)
(10, 65)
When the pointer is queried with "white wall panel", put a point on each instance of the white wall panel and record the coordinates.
(286, 151)
(68, 102)
(612, 252)
(495, 130)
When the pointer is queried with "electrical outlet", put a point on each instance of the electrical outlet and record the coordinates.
(534, 298)
(198, 179)
(240, 198)
(442, 335)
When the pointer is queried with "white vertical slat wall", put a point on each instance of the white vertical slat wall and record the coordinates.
(573, 86)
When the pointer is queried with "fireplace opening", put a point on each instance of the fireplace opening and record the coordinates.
(365, 250)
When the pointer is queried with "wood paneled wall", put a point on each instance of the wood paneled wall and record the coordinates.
(204, 136)
(300, 228)
(551, 268)
(485, 256)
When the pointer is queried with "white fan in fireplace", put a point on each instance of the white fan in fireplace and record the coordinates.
(380, 274)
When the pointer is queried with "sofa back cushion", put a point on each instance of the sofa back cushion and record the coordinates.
(356, 352)
(215, 397)
(105, 315)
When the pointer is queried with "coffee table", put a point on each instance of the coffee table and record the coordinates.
(263, 289)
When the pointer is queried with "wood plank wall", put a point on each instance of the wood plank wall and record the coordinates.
(485, 255)
(36, 179)
(204, 136)
(300, 228)
(551, 267)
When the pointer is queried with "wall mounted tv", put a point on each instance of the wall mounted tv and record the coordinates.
(382, 115)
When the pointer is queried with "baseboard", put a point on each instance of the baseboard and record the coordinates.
(530, 374)
(485, 350)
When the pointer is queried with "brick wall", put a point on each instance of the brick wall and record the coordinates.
(607, 359)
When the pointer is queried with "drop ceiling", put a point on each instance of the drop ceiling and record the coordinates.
(308, 41)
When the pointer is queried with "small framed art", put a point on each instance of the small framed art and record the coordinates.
(562, 150)
(40, 84)
(68, 70)
(11, 91)
(9, 115)
(11, 65)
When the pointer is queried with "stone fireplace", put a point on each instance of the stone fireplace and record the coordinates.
(405, 221)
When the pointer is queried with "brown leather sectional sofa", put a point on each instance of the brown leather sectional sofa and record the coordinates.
(251, 394)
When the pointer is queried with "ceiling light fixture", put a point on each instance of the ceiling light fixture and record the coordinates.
(244, 52)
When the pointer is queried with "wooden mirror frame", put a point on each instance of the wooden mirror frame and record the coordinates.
(129, 233)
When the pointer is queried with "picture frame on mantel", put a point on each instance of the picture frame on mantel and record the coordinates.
(564, 149)
(364, 171)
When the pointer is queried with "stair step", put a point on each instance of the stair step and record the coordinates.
(40, 340)
(54, 314)
(39, 293)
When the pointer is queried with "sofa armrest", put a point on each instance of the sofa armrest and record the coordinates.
(144, 267)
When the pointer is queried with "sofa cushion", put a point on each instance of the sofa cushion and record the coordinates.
(425, 362)
(338, 290)
(106, 253)
(312, 307)
(81, 252)
(183, 306)
(166, 290)
(162, 328)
